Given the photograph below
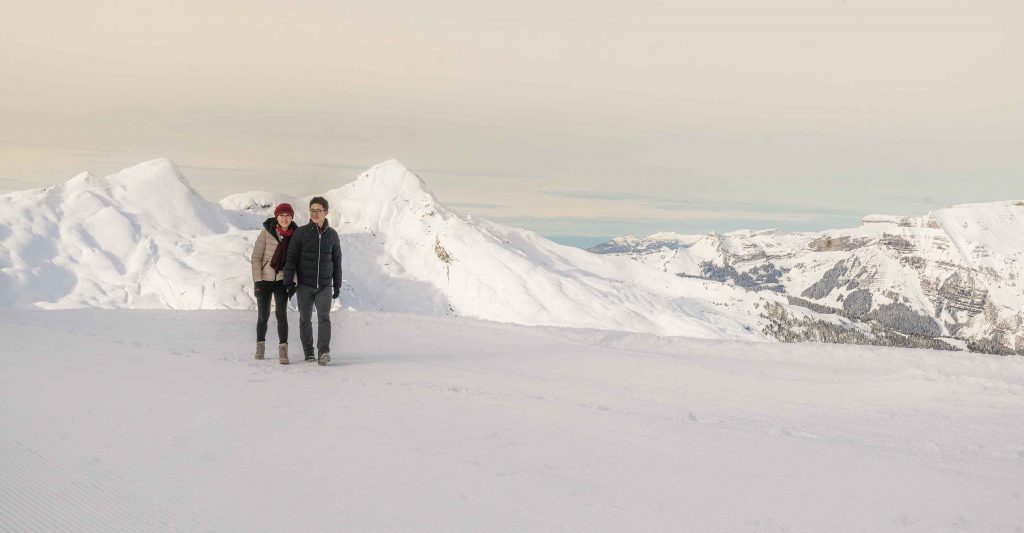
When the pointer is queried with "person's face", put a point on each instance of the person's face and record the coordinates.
(317, 213)
(284, 220)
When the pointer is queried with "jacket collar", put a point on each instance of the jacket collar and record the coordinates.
(326, 225)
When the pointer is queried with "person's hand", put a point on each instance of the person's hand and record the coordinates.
(290, 291)
(337, 292)
(257, 287)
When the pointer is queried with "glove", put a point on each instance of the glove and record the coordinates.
(290, 291)
(257, 288)
(337, 292)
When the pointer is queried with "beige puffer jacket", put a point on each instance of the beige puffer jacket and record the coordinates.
(262, 253)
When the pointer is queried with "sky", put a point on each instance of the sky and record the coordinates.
(579, 120)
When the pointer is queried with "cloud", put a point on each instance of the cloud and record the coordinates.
(726, 207)
(81, 149)
(321, 164)
(597, 195)
(618, 226)
(474, 205)
(926, 200)
(16, 184)
(432, 173)
(216, 169)
(474, 173)
(759, 207)
(579, 241)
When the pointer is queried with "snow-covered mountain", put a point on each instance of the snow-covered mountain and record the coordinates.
(141, 238)
(144, 238)
(956, 272)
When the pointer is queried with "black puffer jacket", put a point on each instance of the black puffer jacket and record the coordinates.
(314, 257)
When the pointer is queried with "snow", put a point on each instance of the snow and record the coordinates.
(161, 421)
(145, 239)
(484, 378)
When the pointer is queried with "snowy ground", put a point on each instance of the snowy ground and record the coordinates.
(161, 420)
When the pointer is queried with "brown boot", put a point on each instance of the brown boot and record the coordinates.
(282, 353)
(260, 348)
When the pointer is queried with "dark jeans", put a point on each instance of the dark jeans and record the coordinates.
(275, 289)
(310, 297)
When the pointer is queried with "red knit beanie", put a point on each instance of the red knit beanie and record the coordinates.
(284, 208)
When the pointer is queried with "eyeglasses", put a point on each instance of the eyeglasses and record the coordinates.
(316, 211)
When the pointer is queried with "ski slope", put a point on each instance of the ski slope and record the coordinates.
(135, 420)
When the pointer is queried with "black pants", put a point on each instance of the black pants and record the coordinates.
(310, 297)
(275, 289)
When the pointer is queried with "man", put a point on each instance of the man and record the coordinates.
(314, 257)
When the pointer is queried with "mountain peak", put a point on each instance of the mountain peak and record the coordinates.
(160, 165)
(392, 165)
(157, 172)
(391, 180)
(84, 180)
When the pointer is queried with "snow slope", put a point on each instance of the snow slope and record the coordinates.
(143, 238)
(139, 238)
(119, 420)
(955, 272)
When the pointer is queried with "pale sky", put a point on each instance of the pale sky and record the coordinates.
(572, 118)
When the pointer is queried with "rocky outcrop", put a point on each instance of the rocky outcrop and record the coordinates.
(897, 243)
(845, 243)
(960, 293)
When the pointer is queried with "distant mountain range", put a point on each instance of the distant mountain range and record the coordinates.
(956, 274)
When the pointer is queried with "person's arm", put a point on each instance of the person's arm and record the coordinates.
(257, 258)
(291, 259)
(336, 259)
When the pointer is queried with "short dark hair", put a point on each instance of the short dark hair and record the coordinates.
(320, 200)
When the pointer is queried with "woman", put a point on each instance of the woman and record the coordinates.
(267, 262)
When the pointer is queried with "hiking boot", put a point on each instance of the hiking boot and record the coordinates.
(260, 348)
(310, 357)
(282, 353)
(324, 359)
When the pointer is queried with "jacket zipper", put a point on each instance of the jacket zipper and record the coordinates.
(318, 247)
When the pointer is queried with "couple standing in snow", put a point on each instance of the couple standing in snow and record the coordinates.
(289, 260)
